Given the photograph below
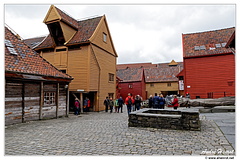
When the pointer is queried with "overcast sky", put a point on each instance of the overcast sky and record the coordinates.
(140, 33)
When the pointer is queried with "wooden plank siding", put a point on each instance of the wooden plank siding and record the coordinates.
(212, 74)
(23, 101)
(13, 102)
(107, 63)
(157, 87)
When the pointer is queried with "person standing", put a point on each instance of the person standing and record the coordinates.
(106, 103)
(129, 101)
(150, 101)
(156, 101)
(162, 101)
(175, 102)
(188, 98)
(77, 107)
(137, 102)
(120, 104)
(116, 105)
(111, 104)
(85, 105)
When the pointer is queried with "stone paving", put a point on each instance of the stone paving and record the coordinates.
(108, 134)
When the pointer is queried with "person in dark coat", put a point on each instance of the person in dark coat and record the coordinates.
(111, 104)
(137, 102)
(106, 103)
(150, 101)
(156, 101)
(120, 104)
(161, 101)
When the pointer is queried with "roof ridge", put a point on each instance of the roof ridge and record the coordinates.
(88, 18)
(200, 32)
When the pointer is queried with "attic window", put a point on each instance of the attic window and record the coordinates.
(10, 47)
(202, 47)
(104, 37)
(224, 44)
(196, 48)
(218, 45)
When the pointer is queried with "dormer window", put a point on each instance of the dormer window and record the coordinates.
(56, 33)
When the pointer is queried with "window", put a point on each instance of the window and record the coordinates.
(151, 84)
(169, 84)
(49, 98)
(130, 85)
(10, 47)
(104, 37)
(111, 95)
(111, 77)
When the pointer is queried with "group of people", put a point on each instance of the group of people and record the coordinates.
(86, 105)
(158, 101)
(110, 103)
(131, 103)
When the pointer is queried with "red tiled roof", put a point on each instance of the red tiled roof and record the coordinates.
(207, 43)
(86, 29)
(130, 74)
(136, 65)
(163, 72)
(27, 61)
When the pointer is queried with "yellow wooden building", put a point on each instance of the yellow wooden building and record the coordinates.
(162, 78)
(83, 49)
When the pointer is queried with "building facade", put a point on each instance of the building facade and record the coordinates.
(209, 63)
(83, 49)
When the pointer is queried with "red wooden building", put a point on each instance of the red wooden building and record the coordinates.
(209, 63)
(132, 81)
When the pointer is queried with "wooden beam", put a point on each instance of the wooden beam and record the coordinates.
(57, 100)
(23, 102)
(41, 100)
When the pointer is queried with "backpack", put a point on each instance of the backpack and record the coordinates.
(129, 100)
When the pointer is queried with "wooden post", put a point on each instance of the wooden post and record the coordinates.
(81, 101)
(41, 100)
(67, 102)
(57, 100)
(23, 102)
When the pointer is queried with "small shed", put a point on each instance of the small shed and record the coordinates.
(34, 89)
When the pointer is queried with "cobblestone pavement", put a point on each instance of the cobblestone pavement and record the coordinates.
(108, 134)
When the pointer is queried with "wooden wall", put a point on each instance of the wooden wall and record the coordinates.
(210, 74)
(23, 101)
(160, 87)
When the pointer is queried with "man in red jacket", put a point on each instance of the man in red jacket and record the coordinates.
(129, 101)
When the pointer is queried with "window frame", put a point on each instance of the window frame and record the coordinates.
(49, 98)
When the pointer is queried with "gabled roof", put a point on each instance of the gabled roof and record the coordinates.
(207, 43)
(163, 73)
(136, 65)
(130, 74)
(20, 58)
(85, 28)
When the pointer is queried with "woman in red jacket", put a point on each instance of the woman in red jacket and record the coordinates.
(175, 102)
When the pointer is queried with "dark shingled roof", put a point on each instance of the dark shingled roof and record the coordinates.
(33, 42)
(207, 43)
(20, 58)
